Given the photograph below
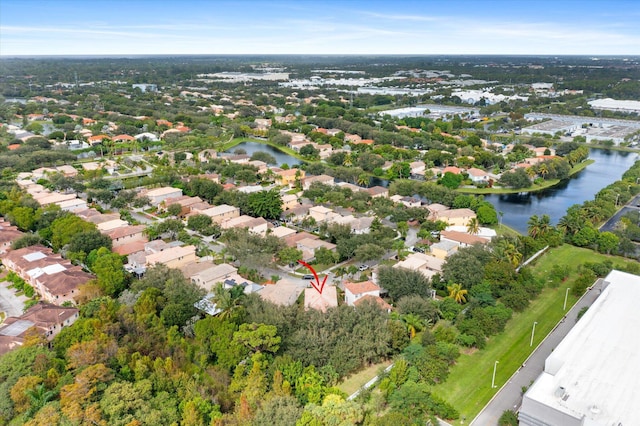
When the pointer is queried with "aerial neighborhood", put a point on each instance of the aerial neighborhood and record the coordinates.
(278, 230)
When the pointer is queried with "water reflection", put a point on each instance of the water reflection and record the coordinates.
(518, 208)
(252, 147)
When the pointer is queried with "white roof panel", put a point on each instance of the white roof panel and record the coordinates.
(31, 257)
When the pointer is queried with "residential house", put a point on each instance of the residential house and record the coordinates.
(97, 139)
(255, 225)
(361, 225)
(320, 301)
(158, 195)
(44, 317)
(283, 293)
(295, 214)
(321, 213)
(374, 299)
(107, 226)
(289, 201)
(73, 205)
(354, 291)
(47, 198)
(462, 239)
(407, 201)
(426, 264)
(174, 257)
(352, 138)
(126, 235)
(221, 213)
(8, 234)
(208, 278)
(292, 240)
(146, 136)
(51, 276)
(67, 170)
(456, 217)
(206, 155)
(184, 201)
(444, 249)
(324, 179)
(486, 233)
(281, 232)
(308, 246)
(477, 175)
(123, 138)
(378, 191)
(452, 169)
(288, 177)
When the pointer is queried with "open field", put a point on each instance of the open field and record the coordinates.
(356, 381)
(468, 387)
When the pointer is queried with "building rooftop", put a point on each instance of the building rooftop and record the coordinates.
(592, 375)
(320, 302)
(361, 287)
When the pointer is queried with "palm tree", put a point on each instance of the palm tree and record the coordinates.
(507, 249)
(533, 226)
(348, 160)
(457, 293)
(474, 226)
(414, 324)
(38, 398)
(226, 300)
(543, 170)
(363, 179)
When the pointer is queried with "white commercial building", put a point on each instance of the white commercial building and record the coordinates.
(591, 377)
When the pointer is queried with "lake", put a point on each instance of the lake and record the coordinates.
(252, 147)
(518, 208)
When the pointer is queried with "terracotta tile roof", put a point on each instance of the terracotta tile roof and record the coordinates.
(362, 287)
(376, 299)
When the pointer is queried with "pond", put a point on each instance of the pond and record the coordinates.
(252, 147)
(518, 208)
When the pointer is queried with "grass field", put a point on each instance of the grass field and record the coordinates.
(468, 387)
(356, 381)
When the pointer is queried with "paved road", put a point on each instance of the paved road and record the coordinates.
(11, 304)
(509, 397)
(632, 205)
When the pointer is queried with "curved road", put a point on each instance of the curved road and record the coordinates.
(509, 397)
(610, 224)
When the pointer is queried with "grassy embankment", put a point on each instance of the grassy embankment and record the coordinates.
(534, 188)
(468, 387)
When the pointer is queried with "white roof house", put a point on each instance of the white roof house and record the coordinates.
(591, 377)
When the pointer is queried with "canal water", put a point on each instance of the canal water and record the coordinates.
(252, 147)
(518, 208)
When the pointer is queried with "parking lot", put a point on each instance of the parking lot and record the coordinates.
(10, 304)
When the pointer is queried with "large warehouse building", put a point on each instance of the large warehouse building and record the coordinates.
(592, 378)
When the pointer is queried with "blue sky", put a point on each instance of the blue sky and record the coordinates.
(118, 27)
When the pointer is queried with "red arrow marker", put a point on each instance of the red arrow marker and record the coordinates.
(317, 285)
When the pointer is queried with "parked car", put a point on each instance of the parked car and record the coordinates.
(307, 277)
(363, 268)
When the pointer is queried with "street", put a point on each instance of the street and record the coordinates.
(610, 224)
(10, 304)
(509, 397)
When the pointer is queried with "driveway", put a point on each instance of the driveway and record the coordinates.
(10, 304)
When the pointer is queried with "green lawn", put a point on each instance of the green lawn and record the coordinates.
(468, 387)
(356, 381)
